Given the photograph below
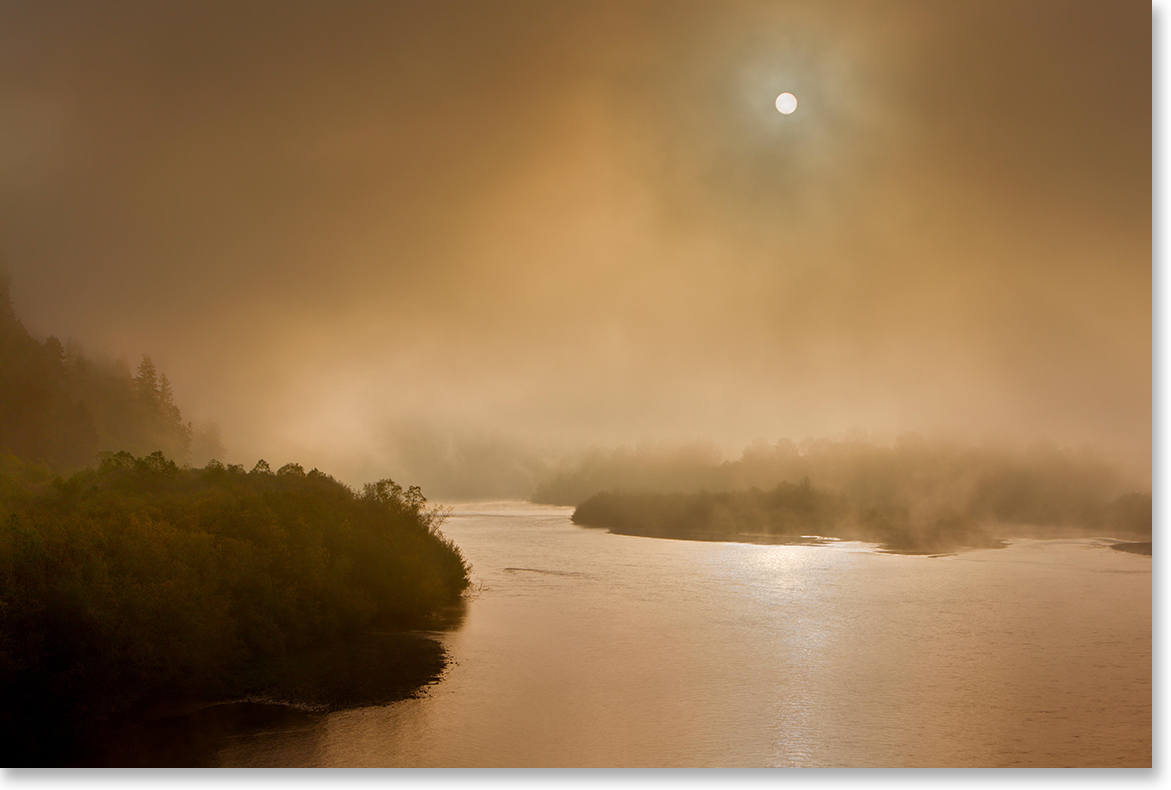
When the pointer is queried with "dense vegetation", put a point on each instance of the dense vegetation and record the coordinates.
(131, 582)
(61, 407)
(915, 495)
(138, 582)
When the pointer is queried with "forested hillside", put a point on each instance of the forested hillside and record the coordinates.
(60, 407)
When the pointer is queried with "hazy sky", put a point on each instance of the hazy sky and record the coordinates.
(332, 224)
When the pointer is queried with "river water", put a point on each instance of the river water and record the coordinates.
(583, 648)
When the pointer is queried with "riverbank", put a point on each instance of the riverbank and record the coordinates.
(910, 548)
(726, 537)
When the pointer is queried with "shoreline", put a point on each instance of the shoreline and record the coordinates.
(1142, 548)
(887, 547)
(1129, 546)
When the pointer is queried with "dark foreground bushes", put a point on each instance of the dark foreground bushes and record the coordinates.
(138, 583)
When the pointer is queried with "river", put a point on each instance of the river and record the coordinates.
(584, 648)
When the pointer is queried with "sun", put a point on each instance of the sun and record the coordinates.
(786, 103)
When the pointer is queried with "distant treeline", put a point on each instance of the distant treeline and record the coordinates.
(59, 406)
(138, 582)
(800, 513)
(915, 492)
(789, 513)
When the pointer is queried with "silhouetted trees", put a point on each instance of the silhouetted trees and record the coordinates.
(59, 406)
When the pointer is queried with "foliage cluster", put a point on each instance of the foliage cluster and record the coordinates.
(139, 580)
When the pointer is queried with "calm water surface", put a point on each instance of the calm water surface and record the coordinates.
(583, 648)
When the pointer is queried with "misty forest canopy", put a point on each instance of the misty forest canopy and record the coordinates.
(62, 408)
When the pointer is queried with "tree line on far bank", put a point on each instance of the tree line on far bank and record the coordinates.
(914, 495)
(800, 513)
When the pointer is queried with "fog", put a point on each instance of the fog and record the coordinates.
(434, 240)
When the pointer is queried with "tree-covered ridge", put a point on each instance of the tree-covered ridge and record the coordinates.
(59, 406)
(139, 579)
